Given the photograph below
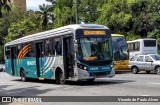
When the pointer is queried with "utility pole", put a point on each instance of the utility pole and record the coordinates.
(76, 11)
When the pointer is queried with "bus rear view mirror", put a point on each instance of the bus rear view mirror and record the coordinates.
(75, 48)
(75, 41)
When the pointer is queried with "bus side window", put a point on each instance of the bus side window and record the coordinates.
(19, 48)
(53, 47)
(32, 50)
(8, 55)
(26, 50)
(47, 47)
(137, 46)
(57, 46)
(132, 47)
(129, 47)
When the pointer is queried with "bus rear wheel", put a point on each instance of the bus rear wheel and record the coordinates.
(23, 76)
(60, 79)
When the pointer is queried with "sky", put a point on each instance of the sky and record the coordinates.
(34, 4)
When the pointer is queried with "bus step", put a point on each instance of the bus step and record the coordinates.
(41, 78)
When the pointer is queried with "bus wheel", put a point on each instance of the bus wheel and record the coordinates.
(134, 70)
(60, 79)
(158, 70)
(23, 76)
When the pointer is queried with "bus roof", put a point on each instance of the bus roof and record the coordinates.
(55, 32)
(137, 40)
(119, 35)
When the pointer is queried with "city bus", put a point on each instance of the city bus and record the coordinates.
(70, 53)
(142, 46)
(120, 52)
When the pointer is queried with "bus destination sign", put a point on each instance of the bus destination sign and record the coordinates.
(94, 32)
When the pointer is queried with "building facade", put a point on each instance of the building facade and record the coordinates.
(19, 3)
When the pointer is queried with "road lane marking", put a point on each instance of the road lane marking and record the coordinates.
(145, 95)
(155, 83)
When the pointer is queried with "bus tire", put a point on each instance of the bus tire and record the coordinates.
(60, 79)
(134, 70)
(158, 70)
(23, 76)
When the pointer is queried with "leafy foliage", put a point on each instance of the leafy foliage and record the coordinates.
(25, 26)
(64, 13)
(4, 4)
(46, 15)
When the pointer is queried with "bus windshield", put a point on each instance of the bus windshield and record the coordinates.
(90, 49)
(120, 48)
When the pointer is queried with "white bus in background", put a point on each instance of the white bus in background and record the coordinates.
(142, 46)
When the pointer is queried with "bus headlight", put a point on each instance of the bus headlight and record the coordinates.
(112, 65)
(81, 66)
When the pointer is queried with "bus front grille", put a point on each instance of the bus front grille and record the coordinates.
(99, 74)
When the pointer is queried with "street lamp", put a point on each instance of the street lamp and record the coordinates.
(76, 11)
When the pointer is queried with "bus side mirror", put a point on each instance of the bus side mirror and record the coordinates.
(75, 48)
(75, 41)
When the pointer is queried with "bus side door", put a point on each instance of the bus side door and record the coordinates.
(13, 60)
(68, 57)
(39, 58)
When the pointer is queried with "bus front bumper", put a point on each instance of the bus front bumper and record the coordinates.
(83, 74)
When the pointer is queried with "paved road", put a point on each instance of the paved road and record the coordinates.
(123, 84)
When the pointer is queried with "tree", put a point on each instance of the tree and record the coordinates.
(52, 1)
(27, 25)
(145, 16)
(116, 15)
(1, 54)
(8, 18)
(17, 23)
(5, 22)
(45, 12)
(64, 13)
(87, 10)
(4, 4)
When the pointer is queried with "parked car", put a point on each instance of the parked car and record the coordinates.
(145, 62)
(2, 67)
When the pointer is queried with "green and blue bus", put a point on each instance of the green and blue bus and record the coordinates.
(70, 53)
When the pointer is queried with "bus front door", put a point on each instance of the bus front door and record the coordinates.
(39, 59)
(68, 57)
(13, 60)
